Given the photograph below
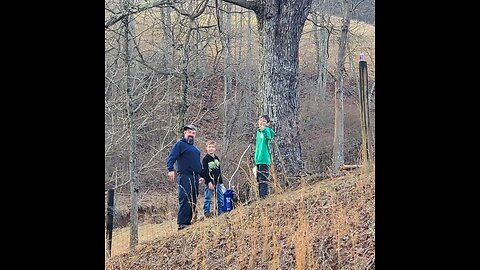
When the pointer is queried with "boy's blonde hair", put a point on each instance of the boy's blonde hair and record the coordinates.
(210, 142)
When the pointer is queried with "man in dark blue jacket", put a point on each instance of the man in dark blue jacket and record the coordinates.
(188, 167)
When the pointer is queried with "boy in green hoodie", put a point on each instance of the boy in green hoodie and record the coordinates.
(263, 155)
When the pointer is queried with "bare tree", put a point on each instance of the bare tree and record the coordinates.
(321, 28)
(338, 140)
(129, 26)
(280, 24)
(190, 16)
(225, 38)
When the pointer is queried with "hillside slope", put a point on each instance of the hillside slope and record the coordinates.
(327, 225)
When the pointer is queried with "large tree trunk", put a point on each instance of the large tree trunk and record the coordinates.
(280, 24)
(129, 23)
(338, 139)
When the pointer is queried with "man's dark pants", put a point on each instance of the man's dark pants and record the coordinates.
(187, 197)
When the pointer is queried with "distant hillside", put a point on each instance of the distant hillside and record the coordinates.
(325, 225)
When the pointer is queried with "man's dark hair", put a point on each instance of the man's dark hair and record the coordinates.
(266, 118)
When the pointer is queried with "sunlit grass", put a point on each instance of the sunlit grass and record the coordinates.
(326, 225)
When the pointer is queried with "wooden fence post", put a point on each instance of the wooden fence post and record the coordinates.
(110, 211)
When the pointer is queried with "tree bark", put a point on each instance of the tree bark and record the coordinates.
(280, 24)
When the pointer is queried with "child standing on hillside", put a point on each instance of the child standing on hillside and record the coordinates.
(213, 179)
(263, 158)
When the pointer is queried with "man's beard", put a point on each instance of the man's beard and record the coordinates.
(190, 139)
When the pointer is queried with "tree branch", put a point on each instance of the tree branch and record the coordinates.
(372, 90)
(356, 5)
(143, 62)
(238, 165)
(229, 12)
(133, 10)
(252, 5)
(318, 25)
(199, 10)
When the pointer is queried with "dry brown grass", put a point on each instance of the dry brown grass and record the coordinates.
(146, 232)
(327, 225)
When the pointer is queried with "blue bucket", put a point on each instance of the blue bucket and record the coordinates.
(227, 200)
